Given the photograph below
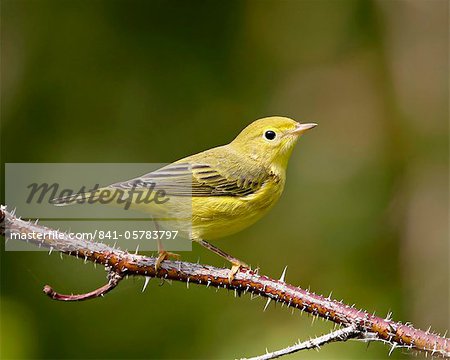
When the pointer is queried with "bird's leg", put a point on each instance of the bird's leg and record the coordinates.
(236, 264)
(162, 254)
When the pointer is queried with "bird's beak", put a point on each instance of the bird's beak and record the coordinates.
(301, 128)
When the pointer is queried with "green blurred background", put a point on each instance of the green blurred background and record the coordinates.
(365, 209)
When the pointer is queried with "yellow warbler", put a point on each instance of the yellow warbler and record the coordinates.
(232, 186)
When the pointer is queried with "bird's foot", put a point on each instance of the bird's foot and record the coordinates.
(164, 255)
(236, 265)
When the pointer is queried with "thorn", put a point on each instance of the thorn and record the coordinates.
(137, 249)
(434, 349)
(187, 283)
(283, 274)
(392, 349)
(267, 303)
(147, 280)
(50, 251)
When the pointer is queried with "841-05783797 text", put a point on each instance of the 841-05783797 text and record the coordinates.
(137, 234)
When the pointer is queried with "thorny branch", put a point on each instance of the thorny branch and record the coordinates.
(349, 332)
(119, 264)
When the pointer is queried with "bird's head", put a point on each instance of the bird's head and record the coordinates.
(270, 140)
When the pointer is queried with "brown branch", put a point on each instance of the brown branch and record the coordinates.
(122, 263)
(113, 281)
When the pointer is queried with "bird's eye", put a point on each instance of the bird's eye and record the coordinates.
(270, 135)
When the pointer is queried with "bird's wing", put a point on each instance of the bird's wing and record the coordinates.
(212, 177)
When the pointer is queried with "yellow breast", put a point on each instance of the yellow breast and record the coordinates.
(214, 217)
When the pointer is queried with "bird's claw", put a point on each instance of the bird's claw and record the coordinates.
(235, 268)
(164, 255)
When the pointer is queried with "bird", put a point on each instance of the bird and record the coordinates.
(230, 187)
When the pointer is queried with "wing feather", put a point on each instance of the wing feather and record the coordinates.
(198, 180)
